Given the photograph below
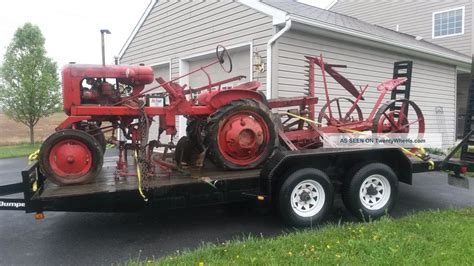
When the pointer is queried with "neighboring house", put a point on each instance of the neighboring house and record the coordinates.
(446, 23)
(177, 36)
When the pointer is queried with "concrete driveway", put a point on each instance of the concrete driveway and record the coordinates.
(85, 239)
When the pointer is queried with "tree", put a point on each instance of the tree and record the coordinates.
(29, 84)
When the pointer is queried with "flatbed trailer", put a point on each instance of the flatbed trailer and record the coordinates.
(109, 193)
(300, 184)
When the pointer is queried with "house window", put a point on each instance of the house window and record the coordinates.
(448, 23)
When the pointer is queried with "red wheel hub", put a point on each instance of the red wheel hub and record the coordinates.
(242, 137)
(70, 158)
(389, 123)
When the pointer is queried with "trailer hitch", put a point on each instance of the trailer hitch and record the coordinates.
(458, 168)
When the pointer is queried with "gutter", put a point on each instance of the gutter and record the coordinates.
(269, 56)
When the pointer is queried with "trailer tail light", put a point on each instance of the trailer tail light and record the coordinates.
(39, 216)
(463, 169)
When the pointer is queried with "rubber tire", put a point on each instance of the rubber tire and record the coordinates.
(88, 140)
(353, 182)
(186, 151)
(284, 197)
(100, 137)
(212, 128)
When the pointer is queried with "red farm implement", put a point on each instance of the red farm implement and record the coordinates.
(235, 128)
(343, 114)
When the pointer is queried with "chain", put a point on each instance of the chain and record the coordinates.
(143, 126)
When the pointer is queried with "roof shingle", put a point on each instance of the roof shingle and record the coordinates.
(354, 24)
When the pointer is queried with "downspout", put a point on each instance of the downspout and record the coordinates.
(269, 56)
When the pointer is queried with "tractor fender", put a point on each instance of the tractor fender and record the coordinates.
(224, 97)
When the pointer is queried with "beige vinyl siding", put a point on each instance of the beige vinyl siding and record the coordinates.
(433, 84)
(178, 29)
(413, 17)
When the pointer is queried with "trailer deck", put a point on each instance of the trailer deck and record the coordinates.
(108, 182)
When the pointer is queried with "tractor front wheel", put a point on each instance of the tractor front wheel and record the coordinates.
(70, 157)
(240, 135)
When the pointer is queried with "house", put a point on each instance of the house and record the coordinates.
(177, 36)
(445, 23)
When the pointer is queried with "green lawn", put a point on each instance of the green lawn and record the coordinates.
(18, 150)
(437, 237)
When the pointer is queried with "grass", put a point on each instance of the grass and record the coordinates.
(435, 237)
(18, 150)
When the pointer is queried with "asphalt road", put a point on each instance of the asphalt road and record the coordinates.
(90, 239)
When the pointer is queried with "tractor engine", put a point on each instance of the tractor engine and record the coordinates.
(100, 92)
(102, 85)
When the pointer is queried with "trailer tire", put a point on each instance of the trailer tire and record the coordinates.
(305, 197)
(70, 157)
(370, 191)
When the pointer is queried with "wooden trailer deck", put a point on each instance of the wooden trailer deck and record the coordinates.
(107, 182)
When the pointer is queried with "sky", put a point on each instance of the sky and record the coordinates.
(72, 28)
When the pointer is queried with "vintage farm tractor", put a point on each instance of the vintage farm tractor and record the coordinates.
(235, 128)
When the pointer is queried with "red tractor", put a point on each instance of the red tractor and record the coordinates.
(233, 127)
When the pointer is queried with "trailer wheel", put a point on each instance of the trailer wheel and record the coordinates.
(70, 157)
(371, 191)
(305, 197)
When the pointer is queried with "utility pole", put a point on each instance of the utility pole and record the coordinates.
(106, 31)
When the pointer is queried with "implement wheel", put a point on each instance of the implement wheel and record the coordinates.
(399, 116)
(70, 157)
(240, 135)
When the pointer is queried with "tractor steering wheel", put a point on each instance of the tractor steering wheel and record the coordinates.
(223, 56)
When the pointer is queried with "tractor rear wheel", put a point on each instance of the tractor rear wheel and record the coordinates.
(94, 131)
(240, 135)
(98, 134)
(70, 157)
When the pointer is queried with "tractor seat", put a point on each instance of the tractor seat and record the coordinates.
(391, 84)
(252, 85)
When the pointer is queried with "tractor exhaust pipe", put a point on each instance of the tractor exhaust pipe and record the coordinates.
(106, 31)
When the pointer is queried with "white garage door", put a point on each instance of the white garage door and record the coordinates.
(162, 70)
(240, 61)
